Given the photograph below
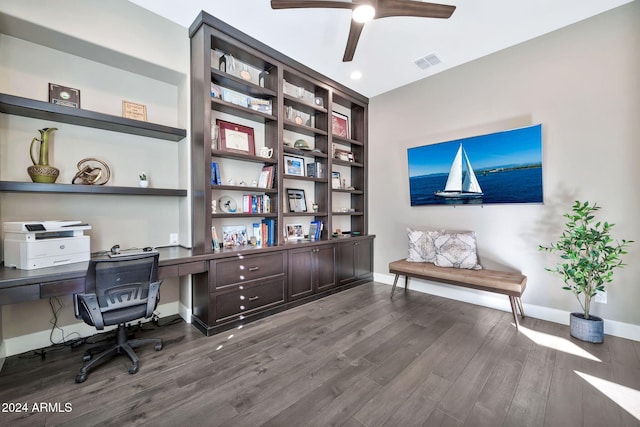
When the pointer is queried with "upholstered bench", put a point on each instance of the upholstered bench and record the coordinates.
(500, 282)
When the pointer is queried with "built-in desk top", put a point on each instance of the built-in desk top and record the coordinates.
(10, 277)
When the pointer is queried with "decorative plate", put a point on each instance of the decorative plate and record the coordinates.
(227, 204)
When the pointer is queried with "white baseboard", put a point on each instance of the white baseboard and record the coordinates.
(36, 340)
(486, 299)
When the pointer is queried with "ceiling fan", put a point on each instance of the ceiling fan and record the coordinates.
(366, 10)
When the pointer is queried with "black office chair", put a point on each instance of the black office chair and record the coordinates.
(117, 291)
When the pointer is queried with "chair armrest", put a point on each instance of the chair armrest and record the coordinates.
(89, 304)
(153, 297)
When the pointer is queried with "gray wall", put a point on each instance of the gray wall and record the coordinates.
(582, 84)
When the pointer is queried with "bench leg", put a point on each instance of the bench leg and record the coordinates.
(519, 301)
(406, 283)
(395, 282)
(514, 311)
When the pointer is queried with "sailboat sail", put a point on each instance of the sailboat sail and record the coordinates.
(460, 184)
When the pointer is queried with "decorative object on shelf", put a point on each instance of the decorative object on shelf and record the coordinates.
(293, 165)
(294, 232)
(234, 235)
(227, 204)
(265, 152)
(235, 98)
(236, 138)
(335, 180)
(261, 78)
(318, 101)
(222, 63)
(41, 171)
(254, 183)
(215, 174)
(261, 105)
(244, 73)
(131, 110)
(589, 256)
(214, 239)
(215, 134)
(298, 117)
(216, 92)
(144, 180)
(214, 206)
(62, 95)
(301, 144)
(344, 155)
(92, 171)
(315, 170)
(314, 206)
(339, 125)
(231, 181)
(297, 200)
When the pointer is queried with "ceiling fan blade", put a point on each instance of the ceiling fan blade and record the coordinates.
(352, 41)
(320, 4)
(387, 8)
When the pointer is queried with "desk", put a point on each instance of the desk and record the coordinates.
(31, 285)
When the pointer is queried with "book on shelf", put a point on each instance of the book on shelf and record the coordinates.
(269, 231)
(315, 230)
(252, 203)
(257, 233)
(215, 174)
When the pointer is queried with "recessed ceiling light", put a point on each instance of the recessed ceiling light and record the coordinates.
(356, 75)
(363, 13)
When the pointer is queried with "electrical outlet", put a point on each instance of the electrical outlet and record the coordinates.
(601, 297)
(173, 238)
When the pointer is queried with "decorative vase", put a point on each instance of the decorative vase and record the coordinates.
(144, 184)
(41, 171)
(589, 330)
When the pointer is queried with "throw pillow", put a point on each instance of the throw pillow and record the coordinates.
(421, 245)
(457, 250)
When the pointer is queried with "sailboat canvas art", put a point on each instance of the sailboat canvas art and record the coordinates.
(503, 167)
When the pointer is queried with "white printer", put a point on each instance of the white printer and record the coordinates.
(37, 244)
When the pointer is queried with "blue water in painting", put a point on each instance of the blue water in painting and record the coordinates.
(511, 186)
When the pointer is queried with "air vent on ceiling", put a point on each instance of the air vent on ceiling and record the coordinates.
(428, 61)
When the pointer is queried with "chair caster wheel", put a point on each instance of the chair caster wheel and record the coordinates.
(86, 357)
(133, 369)
(158, 347)
(80, 378)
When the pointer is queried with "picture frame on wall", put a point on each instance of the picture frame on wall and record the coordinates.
(335, 180)
(297, 200)
(339, 125)
(294, 232)
(236, 138)
(294, 165)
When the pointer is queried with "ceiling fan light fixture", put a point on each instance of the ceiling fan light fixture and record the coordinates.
(363, 13)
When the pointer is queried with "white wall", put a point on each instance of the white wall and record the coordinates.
(582, 83)
(111, 51)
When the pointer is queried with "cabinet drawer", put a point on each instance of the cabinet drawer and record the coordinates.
(19, 294)
(247, 300)
(240, 270)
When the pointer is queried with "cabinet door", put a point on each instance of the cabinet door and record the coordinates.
(346, 263)
(325, 267)
(300, 272)
(363, 259)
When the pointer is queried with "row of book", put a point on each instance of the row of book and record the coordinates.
(315, 230)
(256, 203)
(265, 232)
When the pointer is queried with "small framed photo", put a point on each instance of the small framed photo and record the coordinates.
(335, 180)
(339, 125)
(234, 235)
(236, 138)
(62, 95)
(294, 232)
(297, 200)
(293, 165)
(131, 110)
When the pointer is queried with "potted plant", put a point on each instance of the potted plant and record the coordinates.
(589, 256)
(144, 182)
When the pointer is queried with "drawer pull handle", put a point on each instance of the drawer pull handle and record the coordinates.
(253, 298)
(254, 268)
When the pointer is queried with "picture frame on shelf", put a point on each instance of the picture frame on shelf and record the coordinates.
(344, 155)
(294, 232)
(132, 110)
(297, 200)
(336, 183)
(294, 165)
(234, 235)
(63, 95)
(236, 138)
(266, 177)
(339, 125)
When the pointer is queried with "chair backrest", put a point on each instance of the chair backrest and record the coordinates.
(121, 282)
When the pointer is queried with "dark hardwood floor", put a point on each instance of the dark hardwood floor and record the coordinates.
(355, 359)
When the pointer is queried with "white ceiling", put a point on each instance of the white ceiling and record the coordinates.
(388, 47)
